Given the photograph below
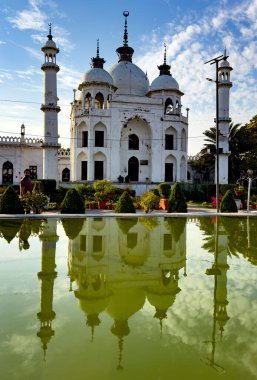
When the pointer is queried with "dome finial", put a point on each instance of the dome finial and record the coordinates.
(225, 54)
(125, 38)
(97, 49)
(50, 31)
(165, 54)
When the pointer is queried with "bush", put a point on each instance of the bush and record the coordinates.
(34, 202)
(228, 203)
(177, 201)
(103, 186)
(149, 201)
(164, 189)
(72, 203)
(225, 187)
(85, 191)
(10, 202)
(48, 186)
(125, 204)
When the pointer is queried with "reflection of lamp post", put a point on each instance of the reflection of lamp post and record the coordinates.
(216, 61)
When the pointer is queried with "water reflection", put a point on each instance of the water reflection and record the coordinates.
(116, 270)
(120, 267)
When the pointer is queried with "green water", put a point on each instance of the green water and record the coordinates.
(141, 298)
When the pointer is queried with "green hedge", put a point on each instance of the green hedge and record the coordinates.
(125, 204)
(48, 186)
(72, 203)
(10, 202)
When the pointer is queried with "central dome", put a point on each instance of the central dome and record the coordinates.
(129, 79)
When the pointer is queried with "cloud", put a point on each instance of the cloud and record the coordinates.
(195, 42)
(2, 42)
(32, 18)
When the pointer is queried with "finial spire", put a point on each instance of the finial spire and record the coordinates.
(125, 38)
(225, 54)
(165, 54)
(50, 31)
(164, 68)
(97, 62)
(125, 52)
(97, 49)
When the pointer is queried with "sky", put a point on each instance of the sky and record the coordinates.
(194, 32)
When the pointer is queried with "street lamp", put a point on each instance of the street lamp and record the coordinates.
(216, 62)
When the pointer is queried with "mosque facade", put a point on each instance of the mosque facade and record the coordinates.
(122, 128)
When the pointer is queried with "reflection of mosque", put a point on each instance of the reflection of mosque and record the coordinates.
(117, 269)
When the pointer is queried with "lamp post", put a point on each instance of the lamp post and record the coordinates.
(216, 62)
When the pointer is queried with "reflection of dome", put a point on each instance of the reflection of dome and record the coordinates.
(164, 82)
(129, 79)
(126, 302)
(97, 75)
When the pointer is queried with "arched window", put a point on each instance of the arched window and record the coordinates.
(177, 107)
(7, 173)
(169, 108)
(88, 101)
(66, 175)
(99, 100)
(133, 142)
(227, 76)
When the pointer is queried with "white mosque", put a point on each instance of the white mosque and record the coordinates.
(121, 126)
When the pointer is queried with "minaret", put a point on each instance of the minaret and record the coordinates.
(47, 277)
(50, 108)
(224, 85)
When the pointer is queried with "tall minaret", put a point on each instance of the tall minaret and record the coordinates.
(50, 108)
(224, 86)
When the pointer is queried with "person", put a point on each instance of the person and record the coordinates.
(26, 184)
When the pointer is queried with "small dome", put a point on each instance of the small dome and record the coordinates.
(50, 44)
(224, 63)
(97, 75)
(164, 82)
(129, 79)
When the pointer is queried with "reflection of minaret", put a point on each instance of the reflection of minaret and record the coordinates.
(124, 302)
(163, 295)
(47, 277)
(219, 270)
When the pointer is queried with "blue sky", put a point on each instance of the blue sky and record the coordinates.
(194, 31)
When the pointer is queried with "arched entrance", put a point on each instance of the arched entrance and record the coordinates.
(133, 168)
(7, 173)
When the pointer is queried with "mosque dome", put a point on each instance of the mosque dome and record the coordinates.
(164, 82)
(50, 44)
(224, 63)
(129, 79)
(97, 75)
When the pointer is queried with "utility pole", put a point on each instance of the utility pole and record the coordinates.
(216, 62)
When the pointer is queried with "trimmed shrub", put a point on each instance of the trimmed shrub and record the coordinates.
(225, 187)
(10, 228)
(10, 202)
(177, 201)
(72, 203)
(125, 204)
(149, 201)
(164, 189)
(228, 203)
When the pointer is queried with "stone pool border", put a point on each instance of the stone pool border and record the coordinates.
(192, 211)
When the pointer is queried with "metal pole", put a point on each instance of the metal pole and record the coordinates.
(248, 194)
(217, 137)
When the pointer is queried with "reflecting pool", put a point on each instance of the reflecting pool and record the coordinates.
(128, 298)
